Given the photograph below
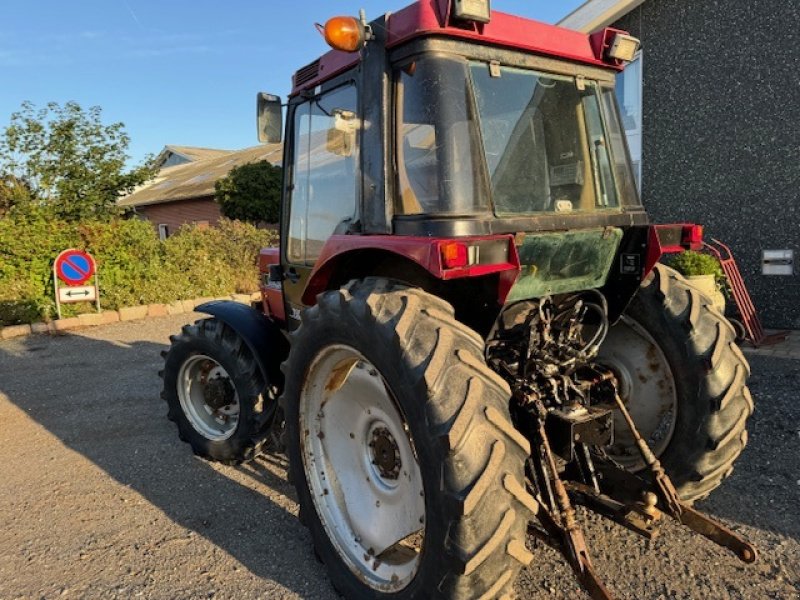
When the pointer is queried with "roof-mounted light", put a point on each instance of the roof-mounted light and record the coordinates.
(623, 47)
(473, 10)
(347, 34)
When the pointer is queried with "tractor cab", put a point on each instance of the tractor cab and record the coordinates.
(444, 143)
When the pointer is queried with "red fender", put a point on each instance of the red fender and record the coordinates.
(425, 252)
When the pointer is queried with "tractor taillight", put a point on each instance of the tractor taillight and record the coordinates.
(692, 236)
(454, 255)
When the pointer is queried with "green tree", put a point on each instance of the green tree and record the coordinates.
(251, 192)
(72, 162)
(15, 194)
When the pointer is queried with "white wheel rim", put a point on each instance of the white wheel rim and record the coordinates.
(199, 378)
(647, 387)
(362, 469)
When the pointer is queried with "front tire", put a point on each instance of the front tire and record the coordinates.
(216, 393)
(378, 357)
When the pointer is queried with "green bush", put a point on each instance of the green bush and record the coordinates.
(251, 193)
(691, 264)
(134, 266)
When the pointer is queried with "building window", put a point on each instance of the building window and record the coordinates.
(629, 93)
(163, 231)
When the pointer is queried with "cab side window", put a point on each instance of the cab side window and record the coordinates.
(325, 166)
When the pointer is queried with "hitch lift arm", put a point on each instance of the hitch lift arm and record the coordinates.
(640, 509)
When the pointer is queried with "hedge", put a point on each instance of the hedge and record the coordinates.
(135, 267)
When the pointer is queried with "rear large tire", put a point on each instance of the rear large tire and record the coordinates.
(454, 411)
(216, 393)
(706, 425)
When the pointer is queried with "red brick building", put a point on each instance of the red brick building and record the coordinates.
(183, 192)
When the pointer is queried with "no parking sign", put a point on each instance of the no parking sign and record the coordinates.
(74, 268)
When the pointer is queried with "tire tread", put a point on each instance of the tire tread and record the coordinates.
(712, 352)
(467, 410)
(254, 434)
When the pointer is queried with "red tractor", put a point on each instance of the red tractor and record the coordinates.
(466, 331)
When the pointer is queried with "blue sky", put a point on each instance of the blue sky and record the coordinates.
(175, 72)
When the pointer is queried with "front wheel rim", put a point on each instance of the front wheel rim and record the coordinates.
(362, 469)
(208, 398)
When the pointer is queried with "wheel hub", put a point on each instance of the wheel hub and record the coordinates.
(208, 398)
(385, 453)
(219, 392)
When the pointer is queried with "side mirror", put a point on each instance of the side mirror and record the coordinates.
(270, 119)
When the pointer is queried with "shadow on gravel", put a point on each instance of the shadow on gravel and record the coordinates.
(101, 399)
(764, 489)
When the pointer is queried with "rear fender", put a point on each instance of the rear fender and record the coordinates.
(425, 253)
(261, 335)
(671, 239)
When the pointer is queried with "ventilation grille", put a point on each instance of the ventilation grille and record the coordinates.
(307, 73)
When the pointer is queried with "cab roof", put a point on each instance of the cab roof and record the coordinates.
(432, 17)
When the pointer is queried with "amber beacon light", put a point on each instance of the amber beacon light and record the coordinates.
(345, 33)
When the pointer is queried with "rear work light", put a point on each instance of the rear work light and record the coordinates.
(479, 11)
(623, 47)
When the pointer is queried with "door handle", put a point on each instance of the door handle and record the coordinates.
(292, 275)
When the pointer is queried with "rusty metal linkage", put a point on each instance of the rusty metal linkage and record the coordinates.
(565, 404)
(692, 518)
(573, 542)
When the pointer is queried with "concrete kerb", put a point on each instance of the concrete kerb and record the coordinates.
(157, 310)
(14, 331)
(242, 298)
(132, 313)
(176, 308)
(43, 327)
(128, 313)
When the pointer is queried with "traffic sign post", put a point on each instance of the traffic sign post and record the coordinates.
(72, 269)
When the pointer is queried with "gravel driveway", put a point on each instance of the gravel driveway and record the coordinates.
(99, 499)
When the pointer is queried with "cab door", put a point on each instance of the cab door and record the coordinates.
(322, 194)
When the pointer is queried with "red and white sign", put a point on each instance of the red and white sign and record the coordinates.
(75, 267)
(72, 270)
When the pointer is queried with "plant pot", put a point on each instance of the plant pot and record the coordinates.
(707, 284)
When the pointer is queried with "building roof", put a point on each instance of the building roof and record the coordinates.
(197, 179)
(195, 154)
(596, 14)
(187, 153)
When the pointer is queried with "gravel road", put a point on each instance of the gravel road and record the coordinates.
(99, 499)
